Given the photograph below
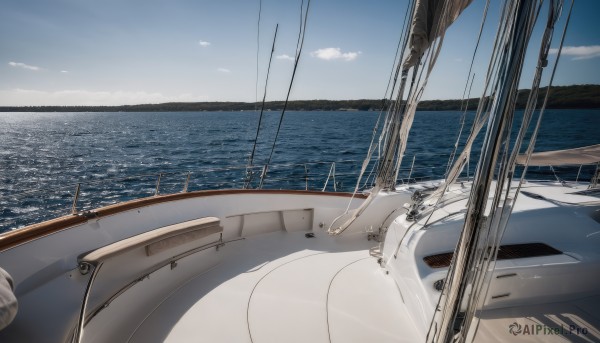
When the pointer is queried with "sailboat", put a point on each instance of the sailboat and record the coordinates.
(429, 262)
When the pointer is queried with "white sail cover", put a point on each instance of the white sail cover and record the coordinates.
(431, 19)
(8, 301)
(585, 155)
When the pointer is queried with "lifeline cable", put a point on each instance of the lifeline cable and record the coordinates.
(299, 45)
(262, 109)
(257, 54)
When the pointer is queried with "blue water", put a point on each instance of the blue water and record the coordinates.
(49, 153)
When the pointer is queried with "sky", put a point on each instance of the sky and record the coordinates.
(116, 52)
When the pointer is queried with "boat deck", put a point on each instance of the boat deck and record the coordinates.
(285, 287)
(568, 321)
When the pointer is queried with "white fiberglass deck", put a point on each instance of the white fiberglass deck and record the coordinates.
(568, 321)
(284, 287)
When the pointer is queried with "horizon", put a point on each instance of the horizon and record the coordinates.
(74, 53)
(259, 102)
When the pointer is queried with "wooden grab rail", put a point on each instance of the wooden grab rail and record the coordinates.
(158, 240)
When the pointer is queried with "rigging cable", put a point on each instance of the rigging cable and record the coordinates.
(262, 109)
(500, 214)
(403, 115)
(483, 108)
(482, 245)
(479, 121)
(476, 123)
(462, 125)
(257, 54)
(400, 117)
(402, 41)
(542, 61)
(299, 45)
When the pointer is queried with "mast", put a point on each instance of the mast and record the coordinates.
(480, 237)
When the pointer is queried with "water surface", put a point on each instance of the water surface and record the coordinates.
(50, 153)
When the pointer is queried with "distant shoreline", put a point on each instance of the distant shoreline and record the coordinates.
(561, 97)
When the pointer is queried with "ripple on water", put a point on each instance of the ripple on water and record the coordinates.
(19, 210)
(42, 151)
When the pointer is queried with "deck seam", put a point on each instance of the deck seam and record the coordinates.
(264, 276)
(329, 289)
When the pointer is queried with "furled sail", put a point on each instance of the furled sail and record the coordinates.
(584, 155)
(429, 21)
(428, 24)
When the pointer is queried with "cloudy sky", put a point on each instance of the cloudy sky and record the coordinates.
(111, 52)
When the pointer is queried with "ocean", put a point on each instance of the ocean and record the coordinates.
(118, 156)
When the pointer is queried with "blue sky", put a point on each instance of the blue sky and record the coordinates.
(111, 52)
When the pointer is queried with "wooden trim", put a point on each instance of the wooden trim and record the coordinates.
(29, 233)
(16, 237)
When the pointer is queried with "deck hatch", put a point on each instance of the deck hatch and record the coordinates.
(506, 252)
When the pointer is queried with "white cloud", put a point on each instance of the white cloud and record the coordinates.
(31, 97)
(23, 65)
(284, 57)
(330, 54)
(203, 43)
(223, 70)
(579, 52)
(64, 71)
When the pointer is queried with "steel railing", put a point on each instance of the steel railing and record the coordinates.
(31, 206)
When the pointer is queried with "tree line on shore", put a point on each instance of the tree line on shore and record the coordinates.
(561, 97)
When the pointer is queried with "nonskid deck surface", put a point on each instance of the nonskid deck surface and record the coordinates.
(568, 321)
(284, 287)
